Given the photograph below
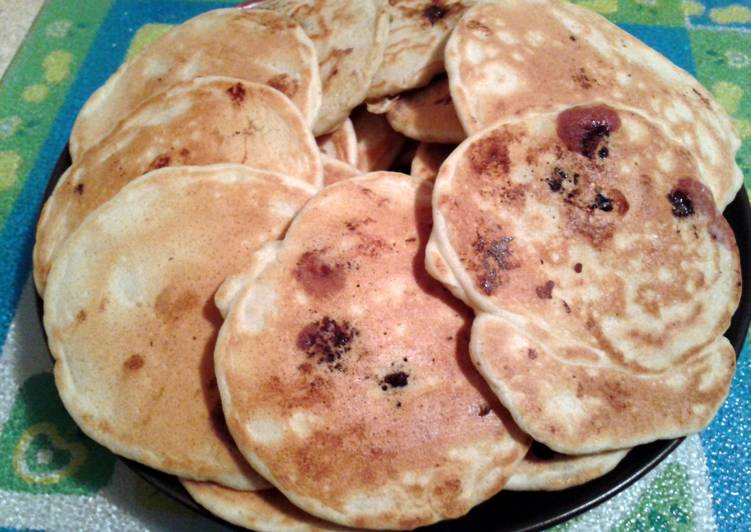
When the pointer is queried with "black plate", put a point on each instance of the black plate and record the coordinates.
(527, 511)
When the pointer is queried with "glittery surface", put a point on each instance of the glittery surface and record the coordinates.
(727, 443)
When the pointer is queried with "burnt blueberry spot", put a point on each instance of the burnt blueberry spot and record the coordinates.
(583, 128)
(134, 362)
(484, 410)
(555, 181)
(603, 153)
(591, 139)
(318, 277)
(79, 188)
(602, 202)
(327, 341)
(681, 204)
(398, 379)
(160, 162)
(434, 13)
(578, 267)
(545, 291)
(531, 354)
(495, 256)
(236, 93)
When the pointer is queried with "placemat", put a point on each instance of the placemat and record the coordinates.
(54, 478)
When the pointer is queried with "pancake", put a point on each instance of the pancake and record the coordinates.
(427, 114)
(200, 47)
(341, 144)
(255, 510)
(349, 37)
(429, 158)
(418, 30)
(519, 55)
(208, 120)
(378, 145)
(554, 472)
(601, 272)
(335, 170)
(130, 319)
(358, 414)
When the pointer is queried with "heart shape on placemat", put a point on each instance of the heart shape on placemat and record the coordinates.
(42, 456)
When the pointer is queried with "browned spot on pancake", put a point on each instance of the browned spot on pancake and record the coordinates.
(317, 277)
(103, 304)
(236, 93)
(477, 25)
(703, 98)
(81, 316)
(171, 305)
(160, 162)
(578, 267)
(284, 84)
(531, 354)
(591, 226)
(495, 257)
(489, 156)
(582, 79)
(583, 128)
(327, 341)
(79, 188)
(353, 225)
(133, 362)
(449, 489)
(545, 291)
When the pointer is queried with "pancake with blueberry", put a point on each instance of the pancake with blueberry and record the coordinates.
(361, 415)
(602, 275)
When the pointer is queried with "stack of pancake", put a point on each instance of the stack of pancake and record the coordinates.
(239, 289)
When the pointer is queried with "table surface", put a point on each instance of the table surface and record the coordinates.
(54, 478)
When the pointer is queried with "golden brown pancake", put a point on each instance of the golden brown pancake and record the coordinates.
(349, 37)
(378, 145)
(602, 274)
(553, 472)
(427, 114)
(204, 121)
(256, 510)
(335, 170)
(418, 31)
(514, 56)
(429, 158)
(341, 144)
(131, 321)
(358, 414)
(200, 47)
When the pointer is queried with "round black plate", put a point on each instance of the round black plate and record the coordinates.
(526, 511)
